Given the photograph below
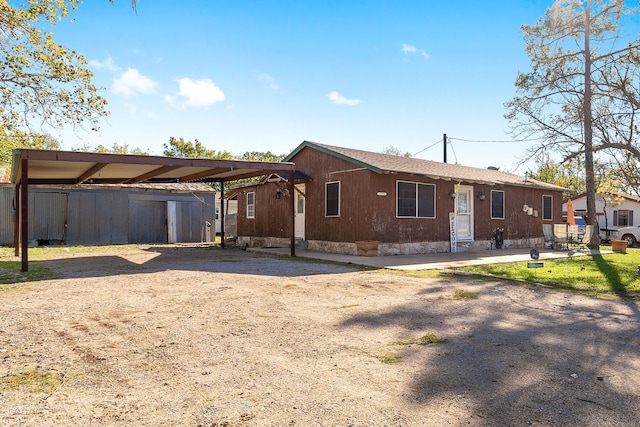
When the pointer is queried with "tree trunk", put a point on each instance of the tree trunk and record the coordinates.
(592, 219)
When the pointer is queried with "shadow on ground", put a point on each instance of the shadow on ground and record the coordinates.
(548, 358)
(189, 258)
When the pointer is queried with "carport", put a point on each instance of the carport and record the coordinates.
(31, 167)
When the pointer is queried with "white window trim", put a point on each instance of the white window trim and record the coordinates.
(253, 214)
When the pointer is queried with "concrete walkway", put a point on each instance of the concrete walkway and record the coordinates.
(434, 260)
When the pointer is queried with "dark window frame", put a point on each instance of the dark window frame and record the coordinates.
(547, 207)
(332, 199)
(416, 202)
(494, 195)
(628, 218)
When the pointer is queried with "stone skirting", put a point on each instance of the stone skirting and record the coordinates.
(387, 249)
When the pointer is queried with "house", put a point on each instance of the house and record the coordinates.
(346, 199)
(112, 214)
(613, 210)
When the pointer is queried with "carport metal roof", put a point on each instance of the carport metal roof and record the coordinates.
(69, 167)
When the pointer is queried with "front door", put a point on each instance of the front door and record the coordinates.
(299, 211)
(464, 214)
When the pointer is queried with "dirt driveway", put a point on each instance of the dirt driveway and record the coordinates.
(185, 336)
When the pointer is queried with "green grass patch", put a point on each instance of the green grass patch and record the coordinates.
(32, 381)
(389, 358)
(422, 274)
(347, 306)
(48, 252)
(430, 338)
(11, 265)
(11, 272)
(613, 274)
(461, 294)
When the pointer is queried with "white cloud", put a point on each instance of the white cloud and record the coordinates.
(131, 82)
(107, 64)
(200, 93)
(336, 98)
(266, 78)
(408, 49)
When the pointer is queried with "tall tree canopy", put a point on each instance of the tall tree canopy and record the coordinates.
(262, 156)
(40, 141)
(181, 148)
(579, 96)
(42, 82)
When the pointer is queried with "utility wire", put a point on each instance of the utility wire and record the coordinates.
(424, 149)
(450, 139)
(512, 140)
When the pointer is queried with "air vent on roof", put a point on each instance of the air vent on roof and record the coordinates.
(493, 168)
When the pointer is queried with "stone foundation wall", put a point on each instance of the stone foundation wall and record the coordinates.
(386, 249)
(345, 248)
(262, 242)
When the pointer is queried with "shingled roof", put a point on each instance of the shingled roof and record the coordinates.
(387, 163)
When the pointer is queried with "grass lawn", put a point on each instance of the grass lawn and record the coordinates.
(613, 274)
(11, 265)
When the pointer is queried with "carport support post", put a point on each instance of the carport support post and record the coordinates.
(221, 216)
(292, 202)
(16, 220)
(24, 213)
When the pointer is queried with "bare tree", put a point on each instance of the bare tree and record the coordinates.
(580, 83)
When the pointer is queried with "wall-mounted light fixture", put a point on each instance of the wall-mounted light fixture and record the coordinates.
(278, 193)
(381, 193)
(481, 196)
(453, 194)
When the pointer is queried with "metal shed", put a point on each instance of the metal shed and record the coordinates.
(38, 167)
(113, 214)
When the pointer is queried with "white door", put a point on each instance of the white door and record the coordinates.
(172, 221)
(299, 211)
(464, 214)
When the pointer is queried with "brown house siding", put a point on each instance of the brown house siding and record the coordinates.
(272, 215)
(365, 215)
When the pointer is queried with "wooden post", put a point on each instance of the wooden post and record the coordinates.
(16, 220)
(24, 212)
(292, 197)
(221, 216)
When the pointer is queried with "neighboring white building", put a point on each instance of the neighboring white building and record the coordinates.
(613, 210)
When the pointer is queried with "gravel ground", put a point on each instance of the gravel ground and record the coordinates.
(192, 336)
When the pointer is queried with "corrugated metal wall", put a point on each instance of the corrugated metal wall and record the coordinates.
(107, 215)
(6, 215)
(148, 221)
(47, 216)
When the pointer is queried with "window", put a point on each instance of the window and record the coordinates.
(332, 199)
(251, 205)
(416, 200)
(622, 218)
(497, 204)
(547, 208)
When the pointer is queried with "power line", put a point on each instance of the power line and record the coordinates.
(450, 139)
(500, 141)
(425, 149)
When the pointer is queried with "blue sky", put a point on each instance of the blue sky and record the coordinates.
(266, 75)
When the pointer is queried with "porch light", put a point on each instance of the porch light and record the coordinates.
(452, 194)
(481, 196)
